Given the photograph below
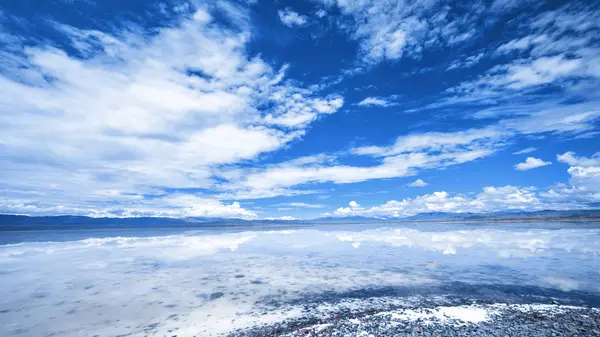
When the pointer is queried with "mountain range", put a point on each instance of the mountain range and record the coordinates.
(21, 222)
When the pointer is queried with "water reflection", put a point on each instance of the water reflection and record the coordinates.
(210, 280)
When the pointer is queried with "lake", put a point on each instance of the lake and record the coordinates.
(209, 281)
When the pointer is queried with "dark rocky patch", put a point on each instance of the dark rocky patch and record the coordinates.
(511, 322)
(216, 295)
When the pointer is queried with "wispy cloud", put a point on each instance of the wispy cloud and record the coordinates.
(405, 157)
(378, 101)
(467, 62)
(299, 205)
(390, 30)
(526, 150)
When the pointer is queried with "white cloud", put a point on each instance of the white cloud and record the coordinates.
(390, 30)
(136, 114)
(572, 159)
(376, 101)
(584, 172)
(564, 195)
(467, 62)
(439, 141)
(541, 71)
(555, 50)
(173, 205)
(140, 112)
(574, 118)
(523, 43)
(297, 111)
(321, 13)
(526, 150)
(531, 163)
(300, 205)
(282, 218)
(403, 158)
(353, 209)
(582, 193)
(489, 200)
(290, 18)
(418, 183)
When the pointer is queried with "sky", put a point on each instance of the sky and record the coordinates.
(298, 109)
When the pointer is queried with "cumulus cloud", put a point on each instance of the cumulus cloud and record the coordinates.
(584, 171)
(353, 209)
(582, 192)
(290, 18)
(489, 200)
(418, 183)
(531, 163)
(572, 159)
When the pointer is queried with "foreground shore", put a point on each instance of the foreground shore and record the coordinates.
(468, 320)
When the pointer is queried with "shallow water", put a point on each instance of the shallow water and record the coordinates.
(208, 281)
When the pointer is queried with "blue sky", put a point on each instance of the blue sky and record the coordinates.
(298, 109)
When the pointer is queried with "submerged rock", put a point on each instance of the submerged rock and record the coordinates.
(216, 295)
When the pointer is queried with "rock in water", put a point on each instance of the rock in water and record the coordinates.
(216, 295)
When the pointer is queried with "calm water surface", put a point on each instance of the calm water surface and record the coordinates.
(158, 281)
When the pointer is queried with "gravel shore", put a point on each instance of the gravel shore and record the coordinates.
(470, 320)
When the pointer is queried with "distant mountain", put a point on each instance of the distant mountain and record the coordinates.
(509, 215)
(21, 222)
(447, 216)
(546, 214)
(349, 219)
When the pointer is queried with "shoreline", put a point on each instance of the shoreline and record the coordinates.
(486, 320)
(283, 223)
